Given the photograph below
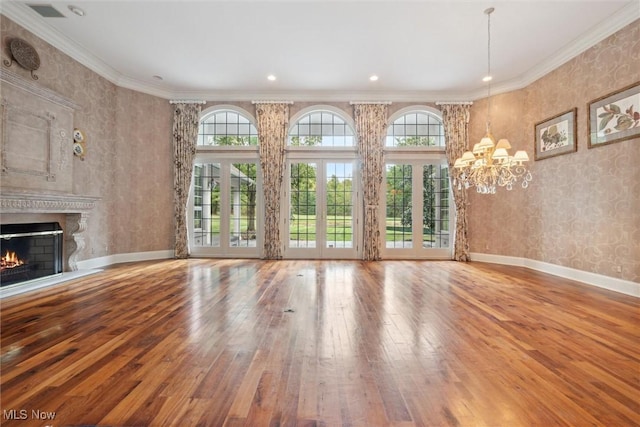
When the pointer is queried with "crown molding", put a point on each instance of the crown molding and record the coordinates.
(30, 20)
(324, 96)
(25, 17)
(614, 23)
(604, 29)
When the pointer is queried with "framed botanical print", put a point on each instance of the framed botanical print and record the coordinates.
(556, 135)
(615, 117)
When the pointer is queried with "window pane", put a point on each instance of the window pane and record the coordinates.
(399, 229)
(435, 206)
(315, 130)
(302, 214)
(206, 215)
(243, 129)
(315, 118)
(242, 219)
(339, 203)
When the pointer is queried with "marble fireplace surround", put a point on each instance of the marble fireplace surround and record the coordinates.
(75, 208)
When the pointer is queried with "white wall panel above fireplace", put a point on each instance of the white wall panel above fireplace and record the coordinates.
(36, 136)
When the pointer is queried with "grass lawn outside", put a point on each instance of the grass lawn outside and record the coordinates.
(303, 227)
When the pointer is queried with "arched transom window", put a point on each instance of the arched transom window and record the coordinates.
(321, 129)
(416, 129)
(226, 128)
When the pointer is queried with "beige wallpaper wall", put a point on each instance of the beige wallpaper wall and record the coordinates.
(128, 148)
(582, 209)
(142, 174)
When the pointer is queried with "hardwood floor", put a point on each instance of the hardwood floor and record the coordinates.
(257, 343)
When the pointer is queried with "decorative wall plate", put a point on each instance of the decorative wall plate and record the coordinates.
(25, 55)
(78, 149)
(78, 136)
(79, 144)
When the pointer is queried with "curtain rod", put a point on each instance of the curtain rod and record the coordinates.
(454, 103)
(186, 101)
(272, 102)
(370, 102)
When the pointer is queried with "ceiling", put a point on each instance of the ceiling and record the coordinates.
(424, 50)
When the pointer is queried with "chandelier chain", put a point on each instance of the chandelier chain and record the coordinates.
(489, 76)
(489, 165)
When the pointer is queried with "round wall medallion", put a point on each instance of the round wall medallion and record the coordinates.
(25, 55)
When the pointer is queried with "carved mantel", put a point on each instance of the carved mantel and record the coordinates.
(77, 210)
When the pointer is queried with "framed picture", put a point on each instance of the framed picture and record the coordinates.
(615, 117)
(556, 135)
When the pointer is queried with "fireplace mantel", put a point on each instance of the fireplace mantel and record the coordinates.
(76, 208)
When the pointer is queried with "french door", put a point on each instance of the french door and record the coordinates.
(225, 211)
(416, 209)
(321, 215)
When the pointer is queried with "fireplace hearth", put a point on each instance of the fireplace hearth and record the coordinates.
(29, 252)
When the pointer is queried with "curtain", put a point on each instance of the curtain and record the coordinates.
(272, 134)
(455, 118)
(371, 123)
(185, 133)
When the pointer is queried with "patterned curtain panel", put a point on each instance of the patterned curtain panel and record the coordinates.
(371, 127)
(272, 134)
(455, 118)
(185, 133)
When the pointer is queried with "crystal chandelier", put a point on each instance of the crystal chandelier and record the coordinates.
(489, 165)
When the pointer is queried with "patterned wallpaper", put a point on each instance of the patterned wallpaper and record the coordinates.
(128, 140)
(582, 209)
(143, 174)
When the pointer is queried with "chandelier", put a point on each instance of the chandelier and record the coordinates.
(489, 165)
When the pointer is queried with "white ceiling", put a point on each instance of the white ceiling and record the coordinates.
(324, 50)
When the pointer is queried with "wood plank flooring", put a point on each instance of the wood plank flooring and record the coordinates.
(320, 343)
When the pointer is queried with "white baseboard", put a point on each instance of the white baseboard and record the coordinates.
(121, 258)
(606, 282)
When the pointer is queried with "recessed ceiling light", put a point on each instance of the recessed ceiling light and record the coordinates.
(373, 78)
(159, 78)
(271, 78)
(76, 10)
(487, 78)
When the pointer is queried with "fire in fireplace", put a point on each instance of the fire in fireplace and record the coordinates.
(29, 251)
(10, 260)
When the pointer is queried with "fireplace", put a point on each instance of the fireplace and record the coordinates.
(30, 251)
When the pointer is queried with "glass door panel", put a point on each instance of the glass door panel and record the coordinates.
(339, 202)
(417, 210)
(322, 213)
(399, 193)
(242, 218)
(224, 209)
(206, 205)
(435, 206)
(303, 221)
